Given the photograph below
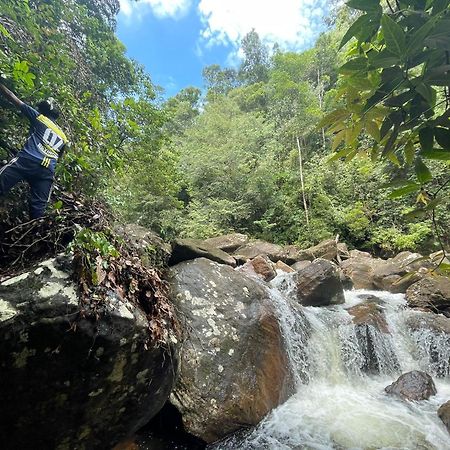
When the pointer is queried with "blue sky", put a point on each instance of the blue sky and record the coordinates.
(176, 39)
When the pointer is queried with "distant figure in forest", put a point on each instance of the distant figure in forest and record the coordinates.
(36, 162)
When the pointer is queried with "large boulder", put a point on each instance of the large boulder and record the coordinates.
(147, 245)
(431, 334)
(432, 293)
(359, 269)
(444, 414)
(256, 248)
(397, 274)
(319, 284)
(234, 368)
(370, 328)
(326, 250)
(229, 242)
(187, 249)
(413, 386)
(71, 380)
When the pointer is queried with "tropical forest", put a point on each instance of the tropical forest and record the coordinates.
(246, 264)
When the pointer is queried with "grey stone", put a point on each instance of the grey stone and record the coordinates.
(67, 379)
(187, 249)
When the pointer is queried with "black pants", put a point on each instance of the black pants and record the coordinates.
(38, 177)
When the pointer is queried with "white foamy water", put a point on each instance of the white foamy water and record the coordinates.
(341, 371)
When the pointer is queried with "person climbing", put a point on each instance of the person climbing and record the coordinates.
(36, 162)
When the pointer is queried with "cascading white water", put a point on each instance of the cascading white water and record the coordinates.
(339, 403)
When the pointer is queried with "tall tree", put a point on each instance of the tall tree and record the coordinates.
(255, 66)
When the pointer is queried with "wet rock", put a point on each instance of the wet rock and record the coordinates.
(187, 249)
(234, 366)
(319, 284)
(147, 245)
(346, 281)
(259, 267)
(71, 381)
(229, 242)
(431, 334)
(366, 314)
(370, 325)
(413, 386)
(444, 414)
(431, 293)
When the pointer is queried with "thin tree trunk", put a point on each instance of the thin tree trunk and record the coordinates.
(300, 160)
(321, 95)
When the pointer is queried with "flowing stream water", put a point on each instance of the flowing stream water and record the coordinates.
(341, 371)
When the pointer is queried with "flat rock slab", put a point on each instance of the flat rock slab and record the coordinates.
(187, 249)
(228, 242)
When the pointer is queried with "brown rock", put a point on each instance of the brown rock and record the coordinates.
(369, 322)
(256, 248)
(413, 386)
(359, 269)
(397, 274)
(261, 267)
(444, 414)
(299, 265)
(325, 250)
(369, 314)
(432, 293)
(234, 367)
(280, 265)
(359, 254)
(319, 284)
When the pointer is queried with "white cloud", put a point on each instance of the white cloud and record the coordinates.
(174, 9)
(293, 24)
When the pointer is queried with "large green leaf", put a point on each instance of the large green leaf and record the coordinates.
(360, 23)
(354, 65)
(390, 144)
(409, 152)
(442, 136)
(426, 136)
(383, 59)
(365, 5)
(417, 39)
(439, 6)
(427, 92)
(394, 36)
(437, 154)
(405, 190)
(422, 171)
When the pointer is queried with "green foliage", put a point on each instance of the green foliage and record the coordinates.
(394, 88)
(393, 239)
(68, 50)
(94, 250)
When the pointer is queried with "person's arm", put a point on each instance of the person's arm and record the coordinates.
(10, 96)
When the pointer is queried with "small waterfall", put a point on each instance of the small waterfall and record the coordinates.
(341, 371)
